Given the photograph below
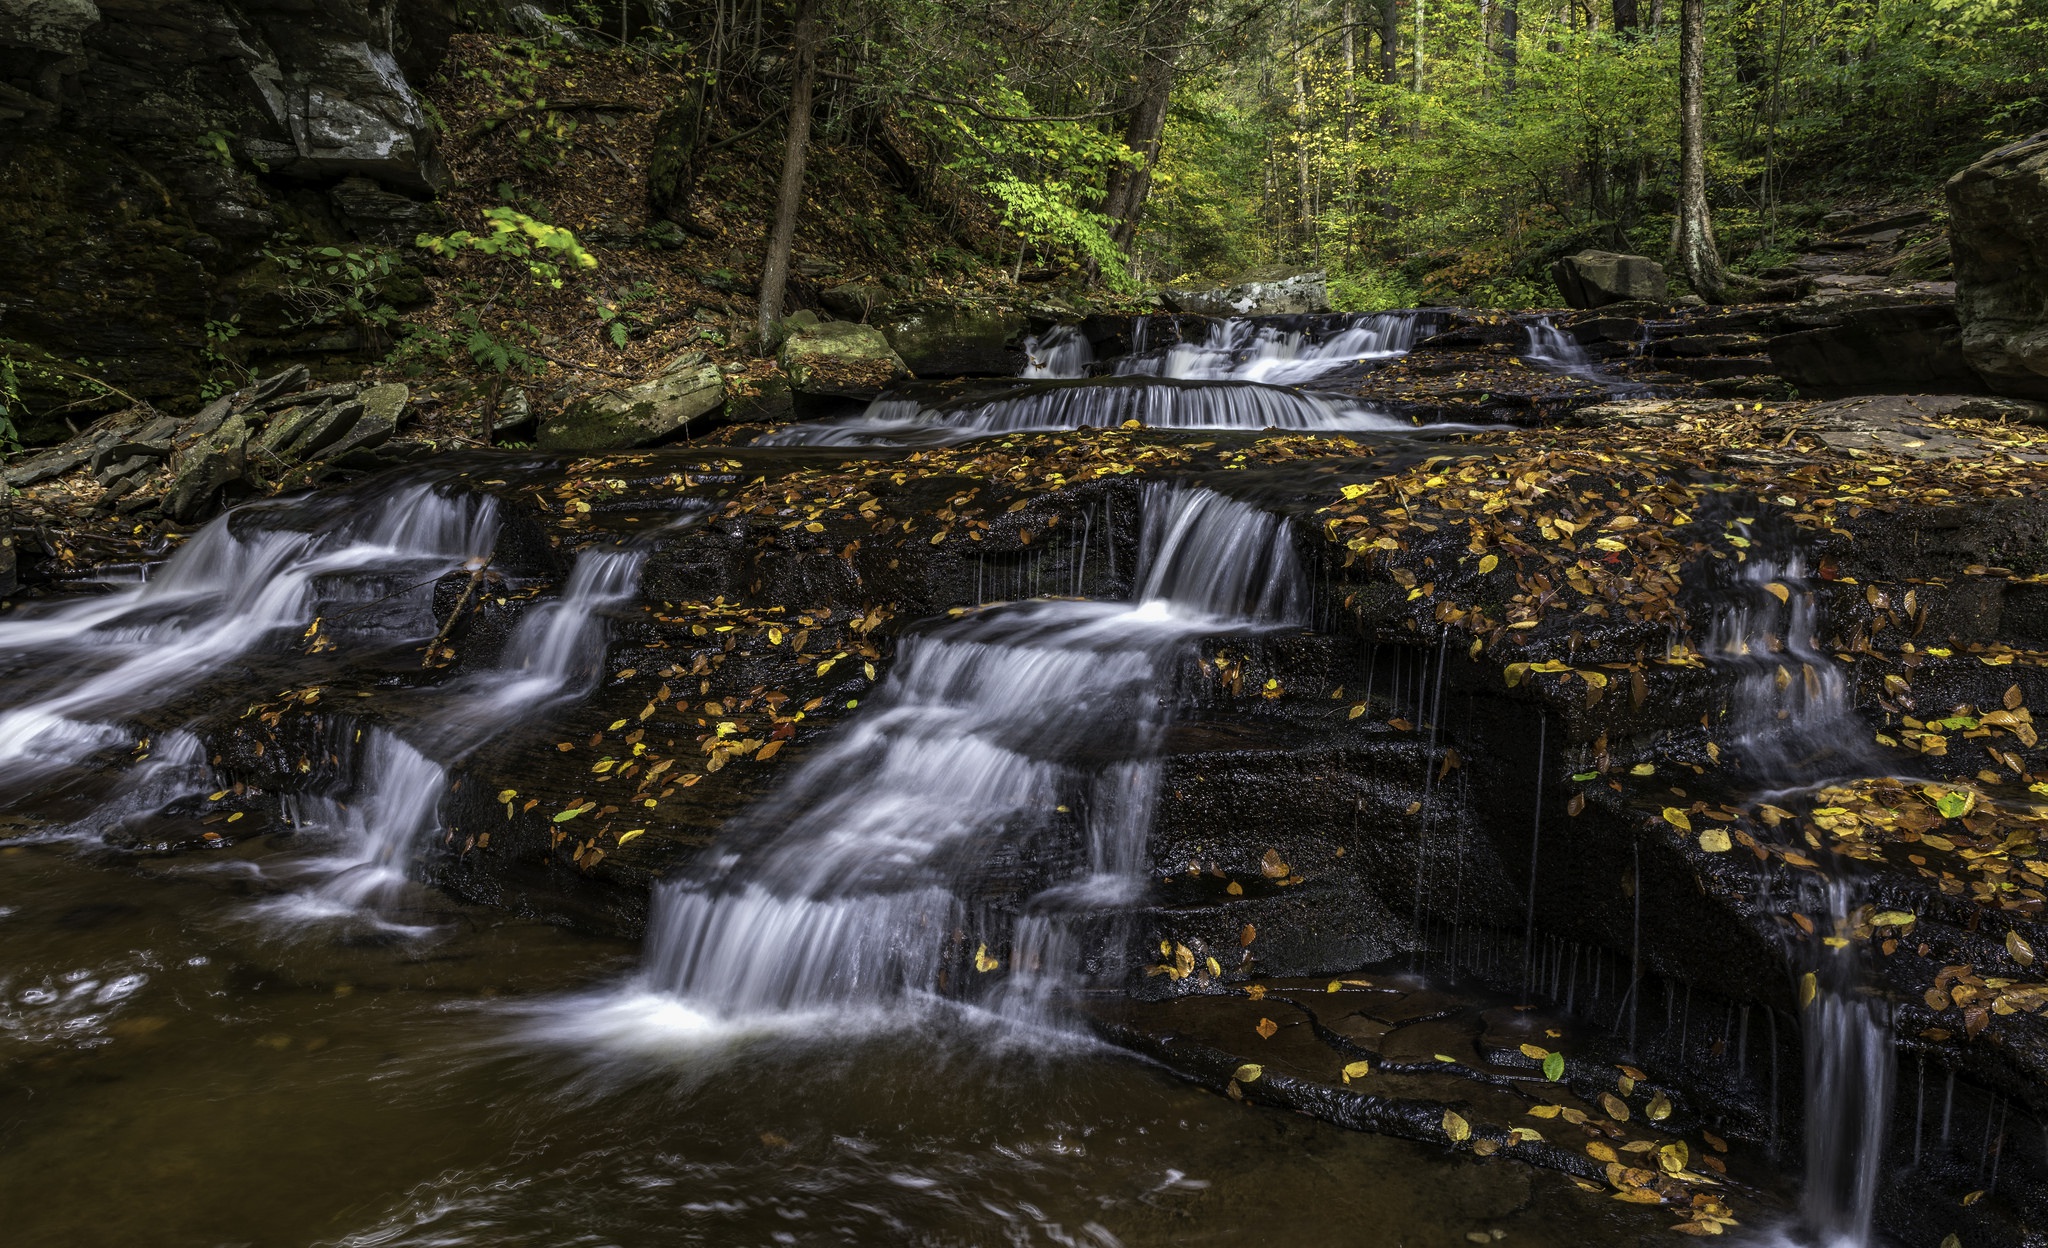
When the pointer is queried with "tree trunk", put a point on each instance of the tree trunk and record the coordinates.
(1350, 67)
(1390, 40)
(1419, 4)
(1124, 199)
(795, 150)
(1510, 39)
(1695, 242)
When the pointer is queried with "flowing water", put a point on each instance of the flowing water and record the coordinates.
(1243, 375)
(998, 740)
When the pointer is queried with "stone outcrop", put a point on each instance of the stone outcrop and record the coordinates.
(1998, 221)
(1593, 279)
(686, 390)
(149, 154)
(1872, 340)
(1268, 292)
(961, 337)
(281, 430)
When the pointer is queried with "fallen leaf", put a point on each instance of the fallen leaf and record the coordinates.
(1457, 1128)
(1354, 1070)
(1248, 1073)
(1266, 1028)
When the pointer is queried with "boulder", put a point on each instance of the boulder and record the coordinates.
(938, 337)
(1594, 279)
(840, 358)
(1998, 229)
(1268, 292)
(687, 388)
(382, 408)
(1865, 342)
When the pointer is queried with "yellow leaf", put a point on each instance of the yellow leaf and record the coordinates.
(1677, 819)
(1807, 987)
(1779, 592)
(1354, 1070)
(1894, 918)
(1601, 1152)
(1643, 769)
(983, 962)
(1535, 1052)
(1215, 968)
(1616, 1108)
(1356, 711)
(1715, 841)
(508, 794)
(1248, 1073)
(627, 836)
(1457, 1128)
(1489, 563)
(1972, 1198)
(1544, 1111)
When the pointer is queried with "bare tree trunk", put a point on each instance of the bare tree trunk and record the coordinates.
(1390, 40)
(1419, 4)
(1510, 39)
(1656, 16)
(1350, 67)
(1124, 199)
(1697, 255)
(796, 149)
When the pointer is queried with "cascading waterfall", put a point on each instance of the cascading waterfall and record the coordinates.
(555, 654)
(1062, 351)
(998, 738)
(1238, 349)
(79, 672)
(1554, 349)
(1849, 1078)
(1157, 403)
(1793, 717)
(1796, 726)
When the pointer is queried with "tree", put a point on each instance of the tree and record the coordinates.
(804, 40)
(1129, 183)
(1697, 255)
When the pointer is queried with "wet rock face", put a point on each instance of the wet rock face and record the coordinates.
(1998, 216)
(1845, 342)
(840, 358)
(1593, 279)
(135, 227)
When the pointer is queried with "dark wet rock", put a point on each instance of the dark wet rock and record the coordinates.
(1268, 292)
(1998, 220)
(205, 469)
(1592, 279)
(687, 389)
(1872, 342)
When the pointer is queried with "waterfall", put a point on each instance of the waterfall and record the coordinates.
(1791, 710)
(556, 653)
(1554, 349)
(254, 578)
(1240, 349)
(1849, 1077)
(1060, 352)
(886, 863)
(1157, 403)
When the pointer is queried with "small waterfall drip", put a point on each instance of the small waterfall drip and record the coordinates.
(1054, 405)
(1238, 349)
(1062, 351)
(988, 810)
(1792, 713)
(250, 580)
(556, 653)
(1554, 349)
(1849, 1078)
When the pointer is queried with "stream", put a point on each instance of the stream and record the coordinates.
(285, 1038)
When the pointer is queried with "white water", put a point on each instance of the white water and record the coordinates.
(556, 654)
(1849, 1081)
(1060, 352)
(1793, 718)
(1237, 349)
(257, 576)
(996, 739)
(1156, 404)
(1554, 349)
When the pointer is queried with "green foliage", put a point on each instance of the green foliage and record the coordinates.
(332, 286)
(513, 234)
(223, 371)
(10, 406)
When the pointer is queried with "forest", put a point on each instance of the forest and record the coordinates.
(1045, 624)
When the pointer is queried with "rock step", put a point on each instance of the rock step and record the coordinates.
(1713, 368)
(1435, 1067)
